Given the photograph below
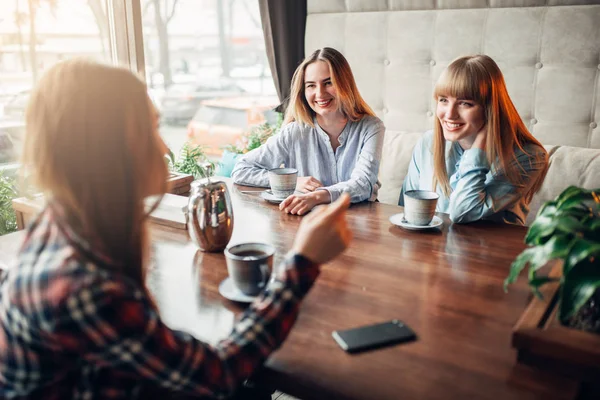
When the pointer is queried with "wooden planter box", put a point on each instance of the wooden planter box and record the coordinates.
(543, 342)
(180, 183)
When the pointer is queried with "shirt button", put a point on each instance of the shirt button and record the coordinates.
(432, 63)
(539, 65)
(385, 110)
(533, 121)
(386, 62)
(593, 125)
(429, 114)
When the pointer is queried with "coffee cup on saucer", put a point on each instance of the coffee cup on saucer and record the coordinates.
(249, 266)
(419, 206)
(283, 181)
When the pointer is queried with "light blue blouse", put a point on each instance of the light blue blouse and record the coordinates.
(352, 168)
(477, 191)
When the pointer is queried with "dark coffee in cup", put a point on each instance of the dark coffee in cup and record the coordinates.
(249, 266)
(251, 253)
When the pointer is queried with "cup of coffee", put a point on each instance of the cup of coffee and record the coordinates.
(419, 206)
(283, 181)
(249, 266)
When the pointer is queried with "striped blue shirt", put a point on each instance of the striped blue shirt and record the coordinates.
(352, 168)
(478, 192)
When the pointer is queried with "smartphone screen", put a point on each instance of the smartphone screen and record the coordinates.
(374, 336)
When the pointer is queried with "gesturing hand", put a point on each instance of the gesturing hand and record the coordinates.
(302, 203)
(324, 234)
(307, 184)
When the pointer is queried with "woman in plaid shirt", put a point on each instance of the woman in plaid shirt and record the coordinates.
(76, 318)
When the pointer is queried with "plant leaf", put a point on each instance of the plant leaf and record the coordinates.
(538, 256)
(579, 285)
(536, 283)
(568, 193)
(580, 250)
(542, 227)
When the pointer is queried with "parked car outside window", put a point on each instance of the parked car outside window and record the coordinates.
(181, 100)
(218, 123)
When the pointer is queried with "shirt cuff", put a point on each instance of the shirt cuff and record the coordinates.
(333, 194)
(473, 159)
(306, 272)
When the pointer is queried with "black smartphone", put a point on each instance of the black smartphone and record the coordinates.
(374, 336)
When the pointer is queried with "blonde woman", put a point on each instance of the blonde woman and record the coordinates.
(479, 157)
(76, 318)
(330, 135)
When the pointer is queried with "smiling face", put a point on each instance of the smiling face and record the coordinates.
(460, 119)
(319, 91)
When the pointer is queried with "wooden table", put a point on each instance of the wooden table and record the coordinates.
(446, 284)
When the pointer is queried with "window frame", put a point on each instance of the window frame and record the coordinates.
(125, 34)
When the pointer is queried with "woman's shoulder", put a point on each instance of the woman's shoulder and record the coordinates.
(370, 121)
(425, 141)
(295, 127)
(295, 132)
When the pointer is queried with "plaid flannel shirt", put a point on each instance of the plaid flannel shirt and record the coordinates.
(71, 329)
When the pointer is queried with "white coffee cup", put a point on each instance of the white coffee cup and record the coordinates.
(419, 206)
(283, 181)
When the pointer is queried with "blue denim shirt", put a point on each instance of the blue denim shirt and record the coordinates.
(477, 191)
(352, 168)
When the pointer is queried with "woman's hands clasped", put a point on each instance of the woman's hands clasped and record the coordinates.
(324, 234)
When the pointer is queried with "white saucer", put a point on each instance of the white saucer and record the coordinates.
(398, 220)
(230, 292)
(270, 197)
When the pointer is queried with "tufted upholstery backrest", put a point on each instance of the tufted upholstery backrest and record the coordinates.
(548, 50)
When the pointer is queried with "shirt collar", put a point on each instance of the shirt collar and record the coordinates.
(459, 150)
(341, 138)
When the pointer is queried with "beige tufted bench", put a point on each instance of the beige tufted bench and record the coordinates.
(548, 50)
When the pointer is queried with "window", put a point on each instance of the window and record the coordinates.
(200, 51)
(33, 37)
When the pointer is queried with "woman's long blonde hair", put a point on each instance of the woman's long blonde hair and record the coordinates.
(350, 102)
(92, 146)
(478, 78)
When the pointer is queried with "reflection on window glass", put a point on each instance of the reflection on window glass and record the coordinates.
(201, 57)
(35, 35)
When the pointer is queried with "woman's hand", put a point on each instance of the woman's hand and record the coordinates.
(300, 204)
(307, 184)
(324, 233)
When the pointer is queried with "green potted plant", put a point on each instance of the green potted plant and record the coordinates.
(254, 138)
(190, 161)
(8, 191)
(567, 229)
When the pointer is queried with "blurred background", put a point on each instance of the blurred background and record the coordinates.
(205, 65)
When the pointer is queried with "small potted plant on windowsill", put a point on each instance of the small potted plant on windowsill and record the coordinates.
(187, 167)
(8, 192)
(254, 138)
(190, 161)
(566, 230)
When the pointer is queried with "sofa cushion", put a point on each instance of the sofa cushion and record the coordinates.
(569, 166)
(397, 152)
